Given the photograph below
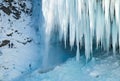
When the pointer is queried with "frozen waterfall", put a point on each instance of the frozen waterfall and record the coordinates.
(84, 19)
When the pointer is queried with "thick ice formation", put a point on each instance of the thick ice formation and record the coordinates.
(84, 19)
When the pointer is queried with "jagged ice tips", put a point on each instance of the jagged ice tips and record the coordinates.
(88, 19)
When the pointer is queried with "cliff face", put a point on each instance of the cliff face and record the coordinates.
(14, 19)
(18, 41)
(15, 7)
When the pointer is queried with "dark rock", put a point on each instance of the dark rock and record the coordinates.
(6, 10)
(17, 15)
(8, 1)
(15, 10)
(4, 43)
(10, 34)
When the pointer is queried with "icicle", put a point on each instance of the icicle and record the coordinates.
(87, 33)
(112, 8)
(78, 18)
(117, 16)
(82, 21)
(114, 36)
(117, 11)
(87, 40)
(92, 21)
(99, 24)
(77, 42)
(63, 19)
(107, 21)
(72, 23)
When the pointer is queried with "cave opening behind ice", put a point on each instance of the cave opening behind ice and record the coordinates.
(85, 24)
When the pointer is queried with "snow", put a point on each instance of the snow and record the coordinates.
(98, 69)
(17, 63)
(24, 56)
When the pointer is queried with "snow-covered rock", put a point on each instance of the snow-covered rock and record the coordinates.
(19, 53)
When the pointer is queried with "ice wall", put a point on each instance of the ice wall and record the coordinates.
(84, 19)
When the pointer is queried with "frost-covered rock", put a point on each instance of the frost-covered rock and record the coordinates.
(18, 49)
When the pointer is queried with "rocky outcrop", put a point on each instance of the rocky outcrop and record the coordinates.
(15, 7)
(4, 43)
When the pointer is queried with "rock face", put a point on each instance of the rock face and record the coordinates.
(12, 13)
(18, 48)
(11, 8)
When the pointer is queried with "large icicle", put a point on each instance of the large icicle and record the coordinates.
(107, 21)
(72, 21)
(78, 18)
(63, 19)
(87, 39)
(114, 36)
(99, 24)
(117, 14)
(92, 20)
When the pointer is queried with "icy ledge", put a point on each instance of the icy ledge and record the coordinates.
(84, 19)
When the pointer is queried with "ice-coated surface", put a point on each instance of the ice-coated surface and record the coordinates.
(84, 18)
(106, 69)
